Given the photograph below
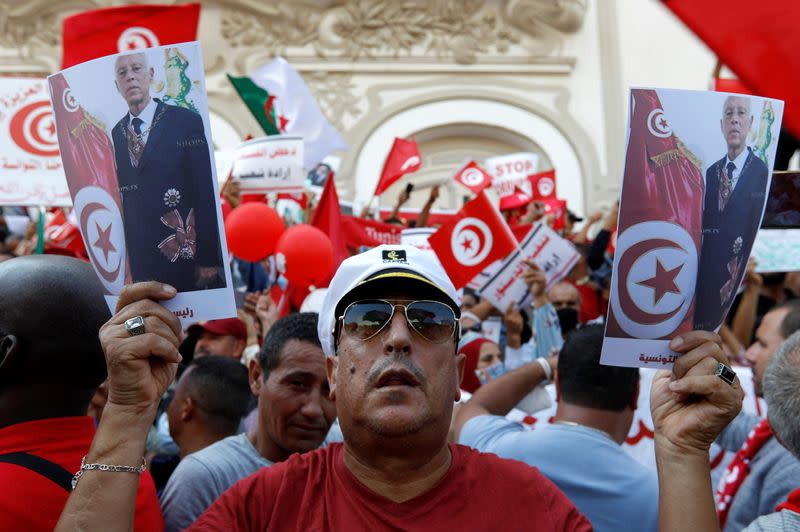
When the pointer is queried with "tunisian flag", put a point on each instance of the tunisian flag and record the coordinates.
(473, 177)
(543, 184)
(475, 237)
(660, 228)
(403, 158)
(113, 30)
(327, 218)
(88, 158)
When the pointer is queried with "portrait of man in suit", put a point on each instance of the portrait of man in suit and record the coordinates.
(736, 187)
(165, 180)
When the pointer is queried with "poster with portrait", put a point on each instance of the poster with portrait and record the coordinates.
(697, 171)
(136, 147)
(30, 168)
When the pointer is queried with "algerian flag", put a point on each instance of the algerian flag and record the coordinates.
(282, 103)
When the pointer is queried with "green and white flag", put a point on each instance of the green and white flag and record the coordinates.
(282, 104)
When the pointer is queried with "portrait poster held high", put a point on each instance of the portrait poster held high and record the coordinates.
(134, 135)
(697, 172)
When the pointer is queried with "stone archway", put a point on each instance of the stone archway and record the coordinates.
(450, 131)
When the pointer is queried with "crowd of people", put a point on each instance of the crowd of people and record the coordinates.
(384, 401)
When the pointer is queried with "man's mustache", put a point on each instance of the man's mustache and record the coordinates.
(386, 362)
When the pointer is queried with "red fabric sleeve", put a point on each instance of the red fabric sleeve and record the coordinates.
(148, 516)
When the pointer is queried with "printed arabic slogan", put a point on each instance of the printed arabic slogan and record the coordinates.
(697, 171)
(135, 143)
(30, 168)
(270, 164)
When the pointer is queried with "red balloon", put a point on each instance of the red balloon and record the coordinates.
(304, 255)
(253, 230)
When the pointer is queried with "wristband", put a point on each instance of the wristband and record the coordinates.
(548, 372)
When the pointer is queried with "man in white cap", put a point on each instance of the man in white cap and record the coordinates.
(389, 327)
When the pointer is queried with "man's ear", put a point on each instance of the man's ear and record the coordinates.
(331, 364)
(254, 374)
(188, 409)
(9, 348)
(461, 361)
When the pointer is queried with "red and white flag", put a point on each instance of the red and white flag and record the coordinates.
(475, 237)
(328, 218)
(557, 210)
(660, 226)
(543, 184)
(404, 158)
(473, 177)
(100, 32)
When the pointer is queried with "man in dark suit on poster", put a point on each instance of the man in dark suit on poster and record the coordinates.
(164, 173)
(736, 189)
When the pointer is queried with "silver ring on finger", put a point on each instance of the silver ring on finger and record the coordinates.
(135, 326)
(725, 373)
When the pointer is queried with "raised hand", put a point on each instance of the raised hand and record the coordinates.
(691, 405)
(141, 367)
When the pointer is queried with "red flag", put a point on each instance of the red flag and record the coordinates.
(760, 47)
(473, 177)
(88, 158)
(660, 227)
(543, 184)
(515, 200)
(327, 217)
(62, 237)
(100, 32)
(403, 158)
(475, 237)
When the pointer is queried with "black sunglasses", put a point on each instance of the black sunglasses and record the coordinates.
(433, 320)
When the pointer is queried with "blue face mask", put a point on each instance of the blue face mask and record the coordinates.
(492, 372)
(282, 282)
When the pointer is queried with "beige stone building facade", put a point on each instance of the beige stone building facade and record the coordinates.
(468, 79)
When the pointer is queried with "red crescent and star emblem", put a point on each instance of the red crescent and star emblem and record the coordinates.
(33, 129)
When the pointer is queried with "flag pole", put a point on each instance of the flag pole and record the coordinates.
(40, 232)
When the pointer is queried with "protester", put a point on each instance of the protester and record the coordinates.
(782, 392)
(210, 399)
(51, 363)
(227, 337)
(581, 451)
(479, 354)
(394, 379)
(763, 472)
(294, 415)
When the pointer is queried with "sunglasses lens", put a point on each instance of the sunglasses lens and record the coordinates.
(435, 321)
(365, 319)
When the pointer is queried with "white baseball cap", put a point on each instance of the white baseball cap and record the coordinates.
(382, 262)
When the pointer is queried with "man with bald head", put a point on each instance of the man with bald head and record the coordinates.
(51, 363)
(164, 174)
(736, 189)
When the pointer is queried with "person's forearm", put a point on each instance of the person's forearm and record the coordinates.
(686, 501)
(582, 236)
(105, 500)
(597, 250)
(745, 317)
(422, 221)
(500, 395)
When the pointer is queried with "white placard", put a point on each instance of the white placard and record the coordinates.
(777, 250)
(270, 164)
(511, 172)
(30, 165)
(554, 255)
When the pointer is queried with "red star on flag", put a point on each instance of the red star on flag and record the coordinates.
(104, 240)
(662, 282)
(466, 244)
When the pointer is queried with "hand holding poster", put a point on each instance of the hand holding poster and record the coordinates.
(30, 169)
(137, 155)
(554, 255)
(683, 242)
(270, 164)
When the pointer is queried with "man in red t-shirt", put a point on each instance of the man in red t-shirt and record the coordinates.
(389, 328)
(51, 363)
